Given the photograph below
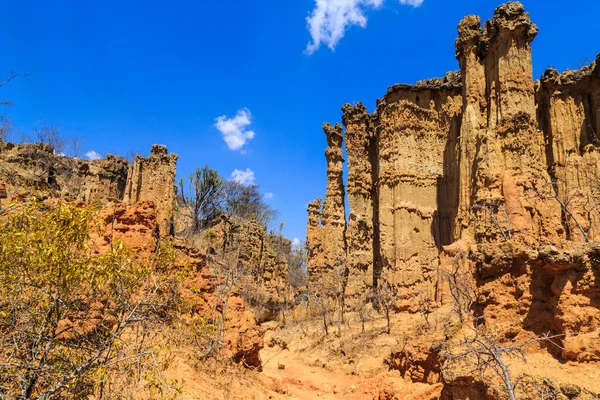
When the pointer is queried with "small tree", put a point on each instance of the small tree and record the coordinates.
(384, 298)
(362, 305)
(246, 202)
(51, 135)
(74, 324)
(426, 306)
(547, 189)
(203, 198)
(485, 349)
(5, 122)
(461, 288)
(297, 276)
(493, 215)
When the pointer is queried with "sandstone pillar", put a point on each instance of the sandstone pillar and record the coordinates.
(153, 178)
(474, 116)
(510, 164)
(313, 241)
(333, 214)
(361, 234)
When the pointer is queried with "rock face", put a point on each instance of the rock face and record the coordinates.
(35, 167)
(260, 254)
(487, 170)
(361, 149)
(327, 221)
(28, 168)
(153, 178)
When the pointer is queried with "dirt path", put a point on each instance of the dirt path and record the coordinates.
(305, 382)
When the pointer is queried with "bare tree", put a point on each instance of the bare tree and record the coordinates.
(549, 190)
(363, 307)
(486, 351)
(247, 202)
(494, 215)
(426, 306)
(461, 288)
(5, 122)
(384, 299)
(321, 297)
(296, 277)
(51, 135)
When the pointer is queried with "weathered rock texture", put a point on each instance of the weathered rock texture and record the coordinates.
(327, 222)
(34, 167)
(483, 155)
(260, 254)
(29, 168)
(493, 172)
(153, 178)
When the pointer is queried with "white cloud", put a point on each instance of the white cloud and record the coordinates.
(268, 195)
(296, 244)
(331, 18)
(244, 177)
(414, 3)
(234, 129)
(92, 155)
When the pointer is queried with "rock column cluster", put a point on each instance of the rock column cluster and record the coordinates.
(484, 155)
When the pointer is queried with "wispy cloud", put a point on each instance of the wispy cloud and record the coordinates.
(244, 177)
(92, 155)
(330, 19)
(234, 129)
(268, 195)
(296, 244)
(414, 3)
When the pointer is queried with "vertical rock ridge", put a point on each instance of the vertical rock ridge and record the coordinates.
(153, 178)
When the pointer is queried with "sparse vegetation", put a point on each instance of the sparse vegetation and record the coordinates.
(203, 198)
(246, 202)
(72, 323)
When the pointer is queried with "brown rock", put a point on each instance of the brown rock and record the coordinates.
(326, 239)
(153, 178)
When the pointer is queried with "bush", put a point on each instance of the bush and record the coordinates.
(74, 324)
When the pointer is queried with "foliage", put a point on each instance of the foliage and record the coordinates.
(246, 202)
(73, 323)
(203, 198)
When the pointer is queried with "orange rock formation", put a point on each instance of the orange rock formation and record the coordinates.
(487, 168)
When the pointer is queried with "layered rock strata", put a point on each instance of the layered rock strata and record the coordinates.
(481, 157)
(28, 168)
(153, 179)
(34, 167)
(327, 222)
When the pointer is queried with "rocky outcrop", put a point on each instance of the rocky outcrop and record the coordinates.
(417, 130)
(483, 155)
(326, 240)
(153, 178)
(360, 233)
(26, 168)
(492, 177)
(261, 255)
(569, 115)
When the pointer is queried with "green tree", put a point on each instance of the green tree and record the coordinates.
(203, 198)
(246, 202)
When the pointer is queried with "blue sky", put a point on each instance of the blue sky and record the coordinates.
(122, 75)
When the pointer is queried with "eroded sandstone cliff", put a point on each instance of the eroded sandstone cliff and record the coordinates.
(35, 168)
(153, 178)
(486, 172)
